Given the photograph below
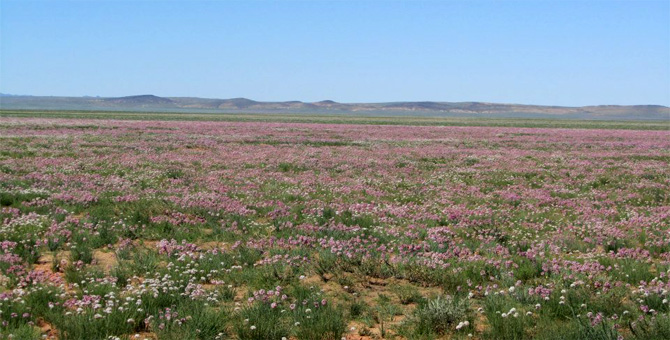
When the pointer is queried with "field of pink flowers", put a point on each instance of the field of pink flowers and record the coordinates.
(254, 230)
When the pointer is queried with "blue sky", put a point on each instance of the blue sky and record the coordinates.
(532, 52)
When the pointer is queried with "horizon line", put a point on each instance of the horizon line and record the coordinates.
(2, 94)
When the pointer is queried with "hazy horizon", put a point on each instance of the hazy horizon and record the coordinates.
(316, 101)
(563, 53)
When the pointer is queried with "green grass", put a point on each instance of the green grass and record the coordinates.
(348, 119)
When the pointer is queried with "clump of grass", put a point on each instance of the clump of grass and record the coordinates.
(384, 313)
(190, 322)
(505, 321)
(144, 261)
(259, 322)
(357, 308)
(326, 265)
(81, 252)
(174, 173)
(655, 328)
(20, 332)
(441, 315)
(122, 274)
(290, 167)
(225, 293)
(407, 294)
(322, 323)
(591, 328)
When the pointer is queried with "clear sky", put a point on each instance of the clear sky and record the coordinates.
(532, 52)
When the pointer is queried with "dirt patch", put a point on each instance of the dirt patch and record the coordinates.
(44, 263)
(213, 245)
(142, 336)
(105, 260)
(47, 329)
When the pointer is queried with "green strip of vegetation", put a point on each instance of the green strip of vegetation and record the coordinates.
(350, 119)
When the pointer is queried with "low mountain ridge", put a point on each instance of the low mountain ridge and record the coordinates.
(419, 108)
(145, 99)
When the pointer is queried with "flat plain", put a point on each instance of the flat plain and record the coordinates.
(186, 226)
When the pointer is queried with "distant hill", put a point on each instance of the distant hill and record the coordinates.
(426, 108)
(146, 99)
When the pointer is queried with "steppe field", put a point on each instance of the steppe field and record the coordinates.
(186, 226)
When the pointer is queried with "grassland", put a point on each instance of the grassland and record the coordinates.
(155, 226)
(351, 119)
